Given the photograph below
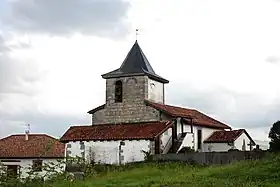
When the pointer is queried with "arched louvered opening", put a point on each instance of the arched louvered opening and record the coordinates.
(118, 91)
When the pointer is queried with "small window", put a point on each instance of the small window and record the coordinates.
(118, 91)
(82, 145)
(166, 132)
(37, 165)
(69, 145)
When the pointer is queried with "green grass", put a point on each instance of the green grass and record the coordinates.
(264, 172)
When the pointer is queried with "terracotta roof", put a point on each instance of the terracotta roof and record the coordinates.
(226, 136)
(125, 131)
(199, 118)
(37, 145)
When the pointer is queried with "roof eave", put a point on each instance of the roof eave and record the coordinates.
(109, 139)
(30, 157)
(151, 76)
(96, 109)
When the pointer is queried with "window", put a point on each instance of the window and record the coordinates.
(37, 165)
(118, 91)
(69, 145)
(199, 139)
(82, 145)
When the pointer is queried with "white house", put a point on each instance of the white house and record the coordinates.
(225, 140)
(135, 118)
(20, 154)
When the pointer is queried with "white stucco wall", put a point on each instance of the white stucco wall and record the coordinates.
(108, 151)
(26, 164)
(187, 141)
(206, 132)
(219, 147)
(155, 91)
(239, 142)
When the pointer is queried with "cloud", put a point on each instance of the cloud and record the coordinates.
(95, 17)
(237, 110)
(18, 75)
(273, 60)
(54, 125)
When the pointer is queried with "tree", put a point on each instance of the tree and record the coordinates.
(274, 135)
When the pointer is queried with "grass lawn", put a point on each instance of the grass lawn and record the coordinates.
(247, 173)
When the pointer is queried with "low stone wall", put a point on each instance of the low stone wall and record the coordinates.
(210, 158)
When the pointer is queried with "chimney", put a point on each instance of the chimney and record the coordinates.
(27, 132)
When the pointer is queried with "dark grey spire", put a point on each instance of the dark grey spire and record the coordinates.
(135, 64)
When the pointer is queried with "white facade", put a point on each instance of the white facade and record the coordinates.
(155, 91)
(25, 166)
(108, 152)
(191, 139)
(237, 144)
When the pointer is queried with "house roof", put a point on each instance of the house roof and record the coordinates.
(124, 131)
(37, 145)
(198, 118)
(135, 63)
(227, 136)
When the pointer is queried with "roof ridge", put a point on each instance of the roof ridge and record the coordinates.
(182, 107)
(35, 134)
(110, 124)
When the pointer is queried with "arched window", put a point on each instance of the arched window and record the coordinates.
(118, 91)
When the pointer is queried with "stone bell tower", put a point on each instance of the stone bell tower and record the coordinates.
(128, 87)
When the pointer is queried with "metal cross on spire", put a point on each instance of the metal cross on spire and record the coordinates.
(136, 33)
(27, 128)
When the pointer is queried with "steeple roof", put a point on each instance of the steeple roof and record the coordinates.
(135, 63)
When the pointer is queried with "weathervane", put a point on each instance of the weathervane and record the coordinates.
(27, 128)
(136, 33)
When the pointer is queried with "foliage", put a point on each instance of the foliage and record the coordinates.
(274, 135)
(51, 171)
(244, 174)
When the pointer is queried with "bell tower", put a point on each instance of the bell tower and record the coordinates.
(129, 86)
(135, 79)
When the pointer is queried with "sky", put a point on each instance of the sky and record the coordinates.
(221, 57)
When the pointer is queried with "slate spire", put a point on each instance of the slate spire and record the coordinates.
(135, 63)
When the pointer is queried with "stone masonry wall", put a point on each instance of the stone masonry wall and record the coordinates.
(132, 108)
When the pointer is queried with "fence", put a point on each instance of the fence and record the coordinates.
(210, 158)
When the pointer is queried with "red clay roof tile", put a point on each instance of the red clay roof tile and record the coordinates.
(125, 131)
(226, 136)
(199, 118)
(37, 145)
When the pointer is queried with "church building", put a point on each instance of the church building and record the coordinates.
(136, 119)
